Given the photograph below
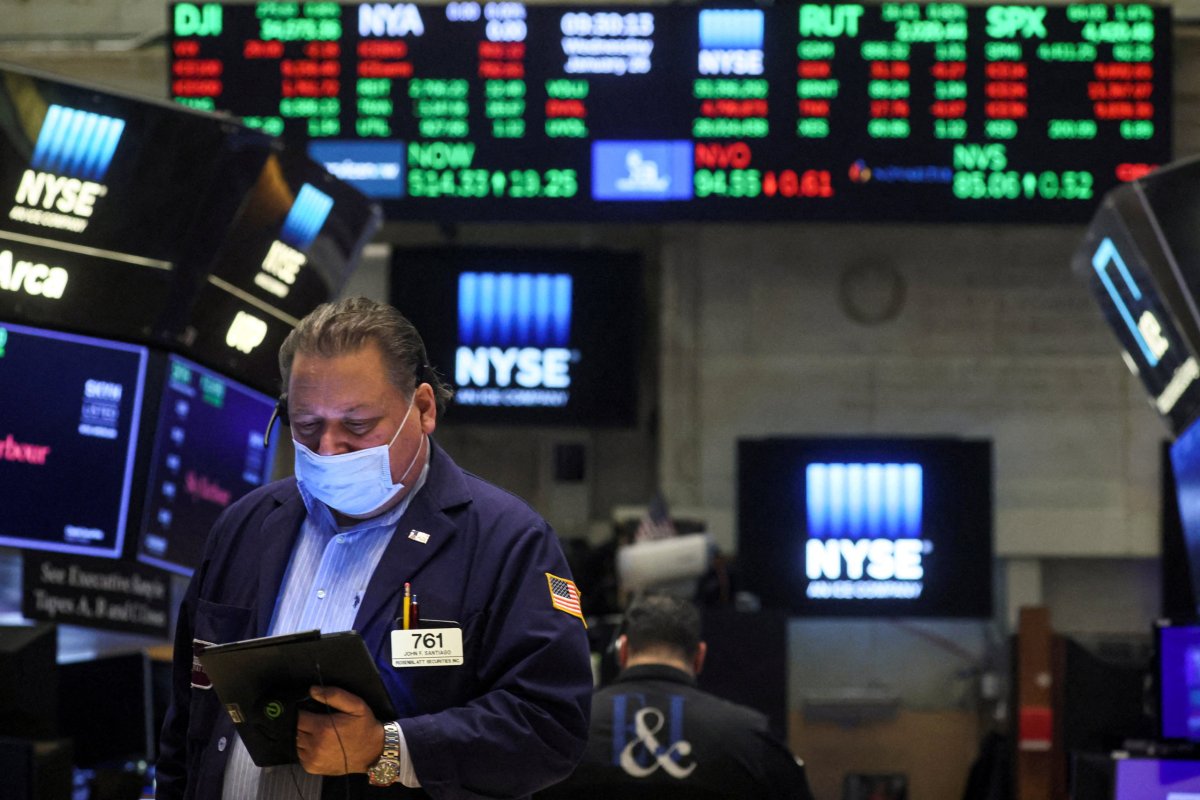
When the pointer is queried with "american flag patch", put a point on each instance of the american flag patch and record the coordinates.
(564, 596)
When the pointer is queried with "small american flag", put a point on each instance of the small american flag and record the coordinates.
(565, 596)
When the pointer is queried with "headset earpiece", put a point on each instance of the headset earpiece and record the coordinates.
(279, 413)
(281, 410)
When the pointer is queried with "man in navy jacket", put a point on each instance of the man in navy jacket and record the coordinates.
(656, 736)
(509, 720)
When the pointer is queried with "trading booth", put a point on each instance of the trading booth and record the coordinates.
(154, 256)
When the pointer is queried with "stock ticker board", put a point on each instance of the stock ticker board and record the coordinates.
(505, 111)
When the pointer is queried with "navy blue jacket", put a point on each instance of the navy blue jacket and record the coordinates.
(512, 719)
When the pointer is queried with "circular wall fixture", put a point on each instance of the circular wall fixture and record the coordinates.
(871, 293)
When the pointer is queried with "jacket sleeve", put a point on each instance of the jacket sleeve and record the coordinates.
(528, 728)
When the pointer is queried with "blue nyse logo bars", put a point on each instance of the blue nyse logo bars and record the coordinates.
(77, 143)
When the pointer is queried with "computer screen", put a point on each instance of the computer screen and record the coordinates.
(864, 527)
(292, 247)
(1157, 779)
(1139, 257)
(1185, 464)
(209, 450)
(112, 204)
(550, 337)
(1178, 675)
(70, 409)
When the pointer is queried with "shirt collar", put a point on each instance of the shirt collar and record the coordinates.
(655, 672)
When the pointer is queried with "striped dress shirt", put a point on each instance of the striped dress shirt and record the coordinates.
(325, 582)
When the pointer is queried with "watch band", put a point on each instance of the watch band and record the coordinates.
(386, 770)
(391, 739)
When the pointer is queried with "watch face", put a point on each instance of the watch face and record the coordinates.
(384, 772)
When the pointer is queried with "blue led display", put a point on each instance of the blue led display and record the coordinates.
(731, 29)
(76, 143)
(514, 309)
(642, 170)
(375, 168)
(876, 501)
(308, 214)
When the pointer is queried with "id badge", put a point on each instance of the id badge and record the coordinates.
(427, 647)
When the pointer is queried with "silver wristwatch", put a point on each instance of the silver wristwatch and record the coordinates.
(386, 770)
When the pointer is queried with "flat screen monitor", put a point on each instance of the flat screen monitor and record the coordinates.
(867, 527)
(699, 111)
(209, 450)
(106, 707)
(1141, 258)
(111, 204)
(292, 247)
(29, 681)
(1185, 464)
(70, 409)
(549, 337)
(1157, 779)
(1178, 678)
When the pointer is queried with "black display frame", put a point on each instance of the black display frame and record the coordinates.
(888, 179)
(956, 517)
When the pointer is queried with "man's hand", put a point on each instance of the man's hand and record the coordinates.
(346, 739)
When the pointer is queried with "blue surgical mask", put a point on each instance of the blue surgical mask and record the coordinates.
(353, 483)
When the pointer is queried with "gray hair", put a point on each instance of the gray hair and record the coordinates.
(345, 326)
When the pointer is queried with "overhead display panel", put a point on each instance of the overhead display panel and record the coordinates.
(292, 248)
(102, 221)
(545, 337)
(1141, 260)
(867, 527)
(893, 111)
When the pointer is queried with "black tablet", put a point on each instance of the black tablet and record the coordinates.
(264, 682)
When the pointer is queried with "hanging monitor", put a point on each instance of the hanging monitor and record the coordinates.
(110, 205)
(70, 411)
(867, 527)
(1141, 259)
(548, 337)
(209, 450)
(293, 245)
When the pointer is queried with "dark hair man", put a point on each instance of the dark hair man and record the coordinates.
(376, 505)
(654, 734)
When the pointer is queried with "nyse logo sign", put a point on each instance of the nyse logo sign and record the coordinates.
(731, 42)
(70, 160)
(300, 229)
(514, 331)
(865, 525)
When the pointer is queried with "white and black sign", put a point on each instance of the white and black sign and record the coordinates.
(95, 593)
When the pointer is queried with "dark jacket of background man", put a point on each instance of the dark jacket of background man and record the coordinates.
(654, 734)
